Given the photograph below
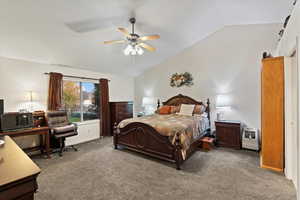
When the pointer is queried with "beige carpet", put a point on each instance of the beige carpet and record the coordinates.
(99, 172)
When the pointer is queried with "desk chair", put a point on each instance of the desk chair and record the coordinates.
(61, 128)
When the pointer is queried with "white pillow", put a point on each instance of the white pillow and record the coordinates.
(186, 109)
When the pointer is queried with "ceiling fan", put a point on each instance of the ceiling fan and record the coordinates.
(135, 42)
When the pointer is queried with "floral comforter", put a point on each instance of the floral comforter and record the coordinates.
(190, 128)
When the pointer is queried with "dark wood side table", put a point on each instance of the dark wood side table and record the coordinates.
(44, 134)
(228, 134)
(120, 111)
(18, 173)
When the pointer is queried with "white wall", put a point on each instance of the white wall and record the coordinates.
(18, 77)
(286, 46)
(227, 62)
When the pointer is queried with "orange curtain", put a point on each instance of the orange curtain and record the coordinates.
(55, 91)
(105, 125)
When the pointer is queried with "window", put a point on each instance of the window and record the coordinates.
(81, 100)
(90, 101)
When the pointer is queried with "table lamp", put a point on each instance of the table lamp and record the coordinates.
(222, 105)
(149, 105)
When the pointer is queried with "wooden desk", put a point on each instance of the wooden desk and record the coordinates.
(18, 173)
(44, 141)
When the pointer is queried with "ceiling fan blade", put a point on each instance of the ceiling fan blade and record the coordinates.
(114, 42)
(147, 46)
(126, 9)
(93, 24)
(124, 31)
(149, 37)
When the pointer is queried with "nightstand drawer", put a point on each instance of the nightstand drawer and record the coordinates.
(228, 134)
(19, 190)
(222, 124)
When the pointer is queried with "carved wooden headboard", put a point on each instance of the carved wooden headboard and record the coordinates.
(181, 99)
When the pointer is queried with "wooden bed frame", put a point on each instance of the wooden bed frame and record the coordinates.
(145, 139)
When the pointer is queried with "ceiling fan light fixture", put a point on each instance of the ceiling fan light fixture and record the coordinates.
(139, 50)
(128, 49)
(133, 50)
(136, 45)
(133, 53)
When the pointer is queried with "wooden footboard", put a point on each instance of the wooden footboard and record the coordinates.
(145, 139)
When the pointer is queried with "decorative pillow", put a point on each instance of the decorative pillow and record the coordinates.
(186, 109)
(199, 109)
(164, 110)
(175, 109)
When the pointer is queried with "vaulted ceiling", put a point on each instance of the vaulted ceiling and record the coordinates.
(36, 30)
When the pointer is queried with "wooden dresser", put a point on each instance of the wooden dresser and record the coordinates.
(272, 113)
(228, 134)
(18, 173)
(120, 111)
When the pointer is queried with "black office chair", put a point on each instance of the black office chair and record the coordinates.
(61, 128)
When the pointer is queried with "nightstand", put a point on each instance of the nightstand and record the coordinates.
(228, 134)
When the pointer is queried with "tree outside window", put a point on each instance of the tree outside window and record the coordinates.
(81, 100)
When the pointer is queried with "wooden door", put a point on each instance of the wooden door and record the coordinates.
(272, 115)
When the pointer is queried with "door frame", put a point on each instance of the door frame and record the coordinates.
(294, 51)
(298, 116)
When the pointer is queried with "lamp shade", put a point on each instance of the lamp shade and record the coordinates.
(29, 96)
(223, 102)
(148, 101)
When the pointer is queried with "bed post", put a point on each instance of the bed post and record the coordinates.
(208, 116)
(208, 111)
(116, 131)
(177, 151)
